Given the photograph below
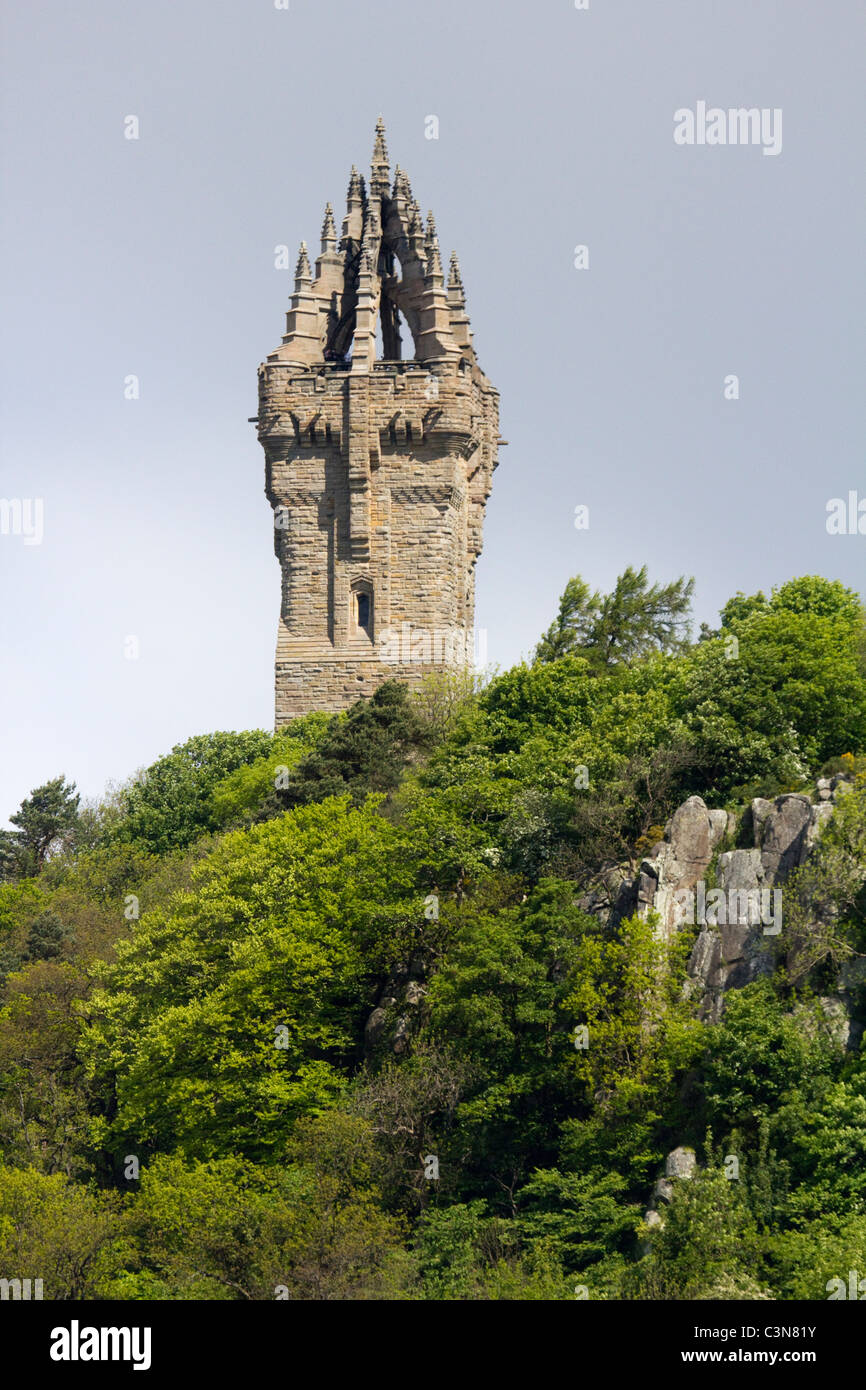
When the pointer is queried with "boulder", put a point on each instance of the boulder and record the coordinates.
(402, 1035)
(397, 1007)
(375, 1026)
(691, 842)
(719, 821)
(680, 1163)
(678, 863)
(782, 834)
(761, 809)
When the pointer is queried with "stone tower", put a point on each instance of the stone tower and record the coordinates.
(378, 466)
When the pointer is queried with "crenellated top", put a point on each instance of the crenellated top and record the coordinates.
(385, 272)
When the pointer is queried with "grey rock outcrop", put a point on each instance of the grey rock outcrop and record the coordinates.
(731, 953)
(833, 1018)
(394, 1020)
(680, 1163)
(680, 1166)
(782, 832)
(734, 945)
(734, 953)
(678, 862)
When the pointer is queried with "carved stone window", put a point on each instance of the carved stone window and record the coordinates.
(362, 608)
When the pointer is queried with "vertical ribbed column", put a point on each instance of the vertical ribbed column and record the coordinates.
(359, 466)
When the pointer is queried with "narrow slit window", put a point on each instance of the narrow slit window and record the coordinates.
(364, 611)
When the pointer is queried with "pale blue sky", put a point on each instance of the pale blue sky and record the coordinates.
(155, 257)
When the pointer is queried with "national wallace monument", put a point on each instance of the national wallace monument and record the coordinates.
(380, 433)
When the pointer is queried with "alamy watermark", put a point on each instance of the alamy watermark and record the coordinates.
(20, 1289)
(854, 1289)
(448, 646)
(846, 517)
(720, 907)
(24, 517)
(738, 125)
(77, 1343)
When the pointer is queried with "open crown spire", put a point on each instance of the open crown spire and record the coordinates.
(385, 273)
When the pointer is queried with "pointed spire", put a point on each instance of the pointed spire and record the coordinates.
(380, 176)
(329, 231)
(460, 326)
(434, 259)
(380, 149)
(417, 244)
(400, 191)
(431, 243)
(353, 221)
(434, 262)
(402, 188)
(303, 274)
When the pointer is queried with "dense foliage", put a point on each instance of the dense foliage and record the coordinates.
(197, 1099)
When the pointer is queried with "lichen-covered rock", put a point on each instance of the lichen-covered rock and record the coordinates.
(680, 1163)
(691, 840)
(398, 1012)
(720, 823)
(833, 1018)
(783, 834)
(677, 863)
(741, 870)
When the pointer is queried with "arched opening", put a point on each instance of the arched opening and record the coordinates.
(361, 609)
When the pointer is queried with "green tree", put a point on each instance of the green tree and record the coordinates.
(367, 751)
(226, 1229)
(582, 1217)
(465, 1254)
(169, 806)
(45, 821)
(757, 1055)
(241, 1005)
(46, 937)
(250, 792)
(572, 628)
(822, 598)
(707, 1247)
(499, 1001)
(44, 1104)
(825, 898)
(66, 1234)
(633, 621)
(789, 695)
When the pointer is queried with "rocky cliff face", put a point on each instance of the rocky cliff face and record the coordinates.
(733, 895)
(738, 917)
(701, 875)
